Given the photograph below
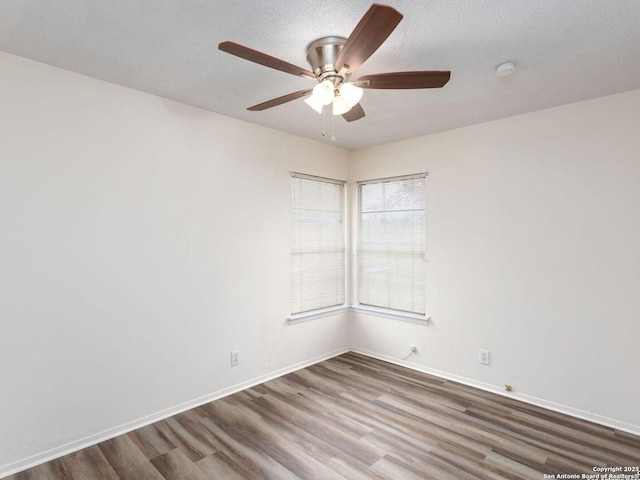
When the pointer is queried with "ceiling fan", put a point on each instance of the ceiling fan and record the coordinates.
(334, 59)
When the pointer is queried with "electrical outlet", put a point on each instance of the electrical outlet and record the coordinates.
(235, 358)
(484, 357)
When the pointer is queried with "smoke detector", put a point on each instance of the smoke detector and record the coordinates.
(506, 69)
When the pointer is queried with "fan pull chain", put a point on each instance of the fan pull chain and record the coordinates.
(332, 136)
(327, 121)
(324, 121)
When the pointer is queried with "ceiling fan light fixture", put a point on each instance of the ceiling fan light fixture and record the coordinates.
(351, 93)
(340, 105)
(323, 92)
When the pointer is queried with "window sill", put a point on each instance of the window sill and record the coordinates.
(377, 311)
(322, 312)
(394, 314)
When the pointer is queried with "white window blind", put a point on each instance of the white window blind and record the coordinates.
(317, 243)
(392, 244)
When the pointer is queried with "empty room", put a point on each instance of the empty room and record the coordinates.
(319, 240)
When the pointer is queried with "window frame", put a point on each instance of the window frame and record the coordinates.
(329, 310)
(412, 317)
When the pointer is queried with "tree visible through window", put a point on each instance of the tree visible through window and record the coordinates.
(392, 244)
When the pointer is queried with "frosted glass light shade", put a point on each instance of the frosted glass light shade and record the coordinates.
(351, 93)
(323, 92)
(340, 105)
(314, 103)
(321, 95)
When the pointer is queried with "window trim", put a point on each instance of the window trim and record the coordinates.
(317, 178)
(317, 313)
(418, 318)
(390, 179)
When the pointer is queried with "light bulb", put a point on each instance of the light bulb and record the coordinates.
(351, 93)
(340, 105)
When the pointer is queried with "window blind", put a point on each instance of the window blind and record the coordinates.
(317, 243)
(392, 244)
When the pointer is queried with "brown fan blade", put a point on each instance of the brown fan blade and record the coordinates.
(371, 32)
(280, 100)
(263, 59)
(356, 113)
(402, 80)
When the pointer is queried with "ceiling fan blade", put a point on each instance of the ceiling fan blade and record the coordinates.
(402, 80)
(356, 113)
(280, 100)
(371, 32)
(263, 59)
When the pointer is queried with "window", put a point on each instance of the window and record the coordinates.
(392, 244)
(318, 270)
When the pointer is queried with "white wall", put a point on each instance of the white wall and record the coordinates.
(142, 240)
(533, 254)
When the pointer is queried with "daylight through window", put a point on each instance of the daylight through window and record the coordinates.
(392, 243)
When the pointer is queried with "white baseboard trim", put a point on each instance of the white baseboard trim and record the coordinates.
(88, 441)
(29, 462)
(539, 402)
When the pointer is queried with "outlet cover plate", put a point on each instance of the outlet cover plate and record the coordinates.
(235, 358)
(484, 357)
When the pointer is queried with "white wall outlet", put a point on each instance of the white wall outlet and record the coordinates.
(484, 357)
(235, 358)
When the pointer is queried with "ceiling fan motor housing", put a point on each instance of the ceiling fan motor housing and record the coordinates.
(323, 53)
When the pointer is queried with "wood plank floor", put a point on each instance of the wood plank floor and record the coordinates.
(353, 417)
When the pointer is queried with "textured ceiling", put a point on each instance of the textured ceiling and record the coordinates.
(565, 51)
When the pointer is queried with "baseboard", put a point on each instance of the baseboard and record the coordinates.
(539, 402)
(85, 442)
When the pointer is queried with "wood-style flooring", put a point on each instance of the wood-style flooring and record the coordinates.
(356, 418)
